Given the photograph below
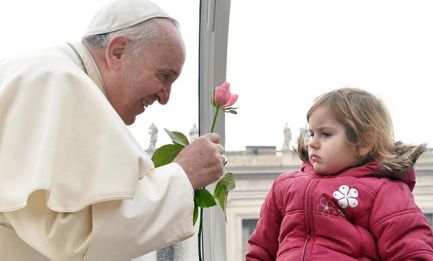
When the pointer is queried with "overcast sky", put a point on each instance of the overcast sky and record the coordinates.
(282, 55)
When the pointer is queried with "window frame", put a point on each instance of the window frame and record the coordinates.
(214, 22)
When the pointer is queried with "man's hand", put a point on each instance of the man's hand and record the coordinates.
(202, 160)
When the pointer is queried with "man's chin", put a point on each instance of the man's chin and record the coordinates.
(129, 121)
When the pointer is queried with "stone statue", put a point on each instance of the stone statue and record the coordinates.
(287, 138)
(153, 132)
(193, 133)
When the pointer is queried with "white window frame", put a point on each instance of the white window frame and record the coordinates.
(214, 21)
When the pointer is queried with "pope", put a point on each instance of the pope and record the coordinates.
(74, 183)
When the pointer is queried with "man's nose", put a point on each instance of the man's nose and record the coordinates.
(164, 94)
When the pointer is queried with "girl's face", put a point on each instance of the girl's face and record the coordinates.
(328, 150)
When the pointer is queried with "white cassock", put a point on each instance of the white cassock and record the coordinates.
(74, 184)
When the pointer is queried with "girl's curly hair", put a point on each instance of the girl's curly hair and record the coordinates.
(368, 125)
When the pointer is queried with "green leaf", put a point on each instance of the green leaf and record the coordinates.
(165, 154)
(230, 110)
(204, 198)
(220, 194)
(228, 181)
(222, 189)
(195, 214)
(178, 138)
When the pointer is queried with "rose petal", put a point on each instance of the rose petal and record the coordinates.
(222, 94)
(233, 98)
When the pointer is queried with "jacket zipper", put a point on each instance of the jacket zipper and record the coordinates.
(307, 217)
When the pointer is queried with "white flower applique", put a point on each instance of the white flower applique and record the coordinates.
(346, 196)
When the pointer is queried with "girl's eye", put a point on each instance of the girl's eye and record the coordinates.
(326, 134)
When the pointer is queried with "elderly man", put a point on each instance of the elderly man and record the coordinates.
(74, 184)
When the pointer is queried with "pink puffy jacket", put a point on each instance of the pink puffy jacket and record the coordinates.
(356, 215)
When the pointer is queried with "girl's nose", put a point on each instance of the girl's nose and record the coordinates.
(312, 142)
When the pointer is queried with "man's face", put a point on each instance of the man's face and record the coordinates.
(145, 76)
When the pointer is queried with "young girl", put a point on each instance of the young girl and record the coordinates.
(352, 198)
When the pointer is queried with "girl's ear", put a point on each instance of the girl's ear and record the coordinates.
(364, 149)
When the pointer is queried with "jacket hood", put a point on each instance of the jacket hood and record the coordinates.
(399, 166)
(403, 157)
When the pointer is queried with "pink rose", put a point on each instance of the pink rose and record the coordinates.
(223, 97)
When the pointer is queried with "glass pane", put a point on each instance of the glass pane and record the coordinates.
(283, 54)
(32, 25)
(56, 22)
(165, 254)
(429, 217)
(248, 226)
(46, 27)
(181, 112)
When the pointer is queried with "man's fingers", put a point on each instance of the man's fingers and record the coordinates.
(203, 160)
(224, 160)
(214, 137)
(220, 148)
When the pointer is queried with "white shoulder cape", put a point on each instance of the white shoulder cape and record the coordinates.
(59, 133)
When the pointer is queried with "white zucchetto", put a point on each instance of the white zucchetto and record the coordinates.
(120, 14)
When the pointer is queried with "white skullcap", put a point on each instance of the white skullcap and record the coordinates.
(120, 14)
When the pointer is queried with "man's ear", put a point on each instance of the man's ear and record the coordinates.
(115, 50)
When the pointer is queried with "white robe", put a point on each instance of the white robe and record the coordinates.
(74, 184)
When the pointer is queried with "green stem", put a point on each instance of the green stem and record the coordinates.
(200, 228)
(200, 235)
(215, 116)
